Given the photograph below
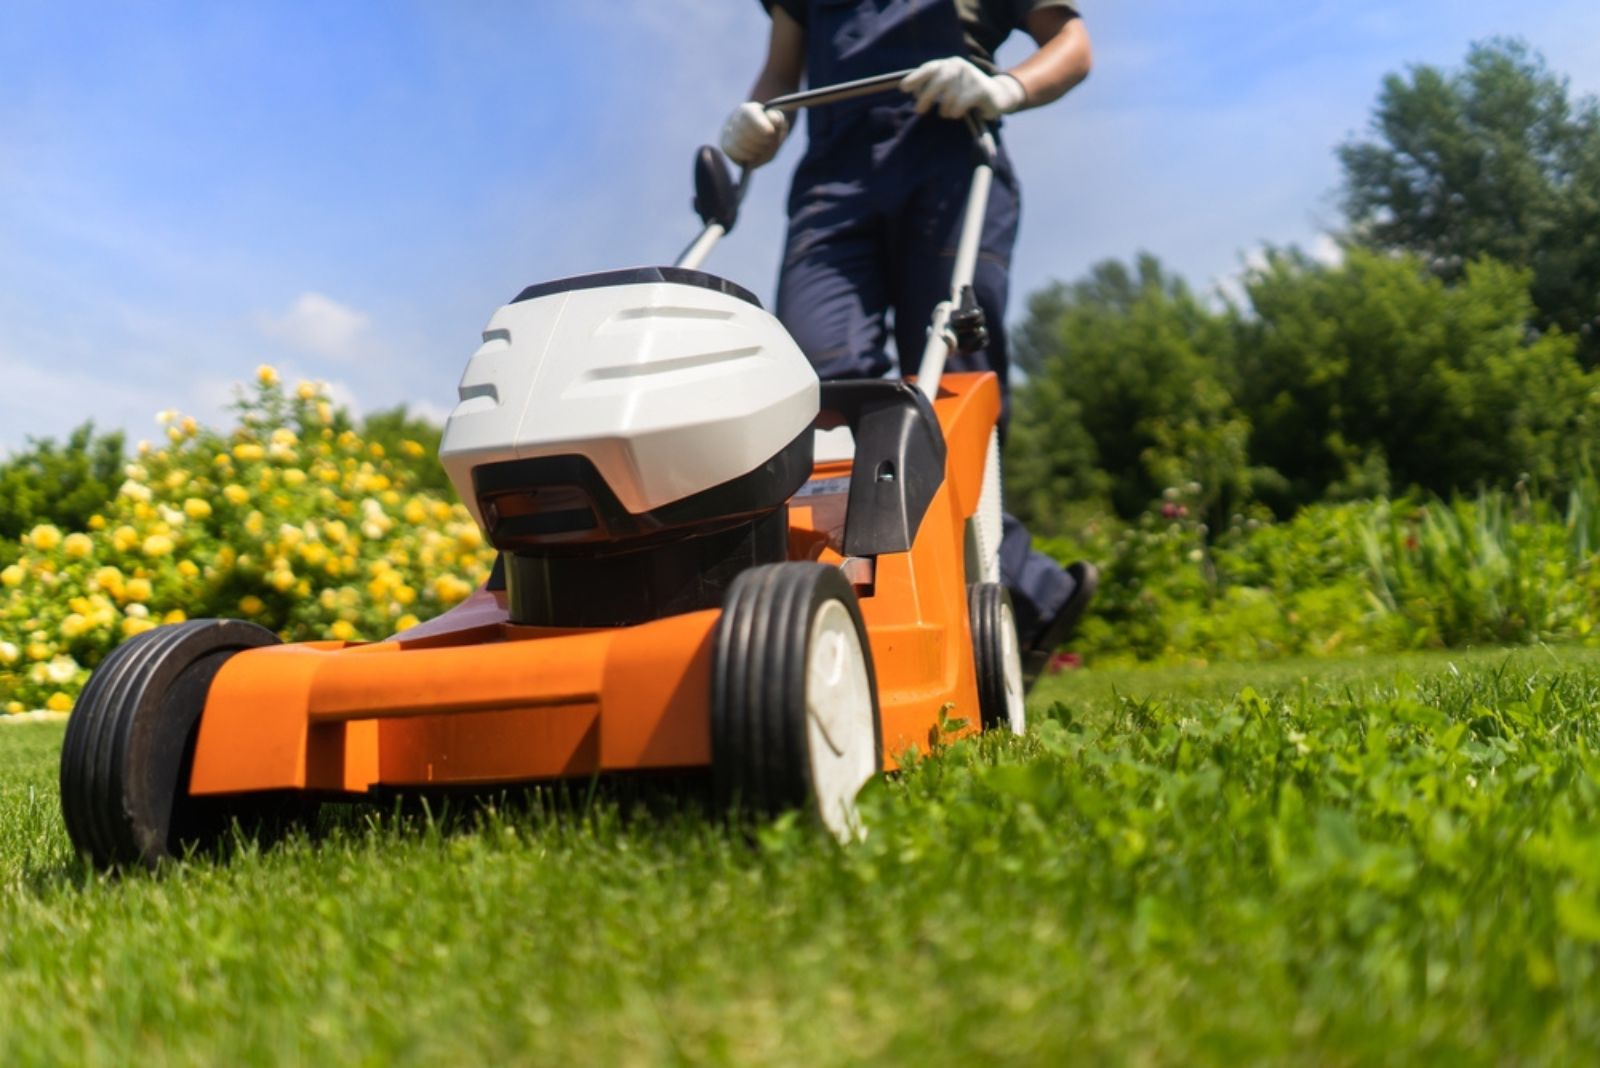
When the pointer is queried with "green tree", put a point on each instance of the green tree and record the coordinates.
(1496, 159)
(1123, 398)
(1377, 373)
(61, 483)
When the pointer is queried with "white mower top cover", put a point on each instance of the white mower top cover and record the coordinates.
(668, 388)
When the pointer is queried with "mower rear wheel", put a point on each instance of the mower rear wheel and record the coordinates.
(130, 744)
(794, 700)
(997, 654)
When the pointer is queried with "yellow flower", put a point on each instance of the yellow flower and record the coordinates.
(342, 629)
(13, 576)
(251, 605)
(282, 580)
(59, 702)
(9, 653)
(44, 537)
(406, 622)
(38, 651)
(136, 625)
(188, 568)
(235, 493)
(294, 476)
(157, 545)
(78, 546)
(306, 390)
(267, 375)
(110, 580)
(97, 522)
(196, 508)
(14, 707)
(177, 615)
(74, 626)
(124, 538)
(176, 478)
(248, 450)
(138, 589)
(412, 449)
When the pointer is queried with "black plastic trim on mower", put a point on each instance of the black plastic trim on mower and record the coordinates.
(575, 557)
(899, 461)
(639, 276)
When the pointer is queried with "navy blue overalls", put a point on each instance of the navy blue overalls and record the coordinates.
(874, 216)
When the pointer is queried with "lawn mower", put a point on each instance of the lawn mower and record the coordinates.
(709, 563)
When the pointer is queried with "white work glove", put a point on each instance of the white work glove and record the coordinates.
(753, 134)
(959, 88)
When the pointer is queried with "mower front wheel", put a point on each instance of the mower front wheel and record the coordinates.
(130, 744)
(794, 700)
(997, 655)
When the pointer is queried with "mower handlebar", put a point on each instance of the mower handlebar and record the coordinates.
(832, 94)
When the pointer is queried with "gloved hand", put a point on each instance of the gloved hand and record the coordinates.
(753, 134)
(959, 87)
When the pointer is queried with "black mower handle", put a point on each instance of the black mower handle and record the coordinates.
(832, 94)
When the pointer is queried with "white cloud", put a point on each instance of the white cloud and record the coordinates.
(1325, 249)
(319, 324)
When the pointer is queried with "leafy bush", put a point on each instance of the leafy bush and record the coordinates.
(309, 530)
(1376, 372)
(1124, 397)
(1329, 383)
(412, 442)
(63, 484)
(1356, 577)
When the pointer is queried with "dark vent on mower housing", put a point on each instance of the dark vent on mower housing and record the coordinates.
(575, 557)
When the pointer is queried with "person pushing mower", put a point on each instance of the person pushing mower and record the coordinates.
(876, 205)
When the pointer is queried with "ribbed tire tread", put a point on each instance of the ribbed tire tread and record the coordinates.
(986, 602)
(130, 738)
(760, 760)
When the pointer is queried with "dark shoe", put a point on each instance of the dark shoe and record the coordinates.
(1086, 579)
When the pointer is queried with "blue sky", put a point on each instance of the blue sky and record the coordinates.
(347, 190)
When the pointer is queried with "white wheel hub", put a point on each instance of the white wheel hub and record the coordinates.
(1011, 666)
(839, 727)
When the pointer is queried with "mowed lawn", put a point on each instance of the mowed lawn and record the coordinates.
(1318, 862)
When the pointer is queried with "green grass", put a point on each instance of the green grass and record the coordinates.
(1322, 862)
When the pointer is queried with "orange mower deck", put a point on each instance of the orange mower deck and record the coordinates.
(470, 699)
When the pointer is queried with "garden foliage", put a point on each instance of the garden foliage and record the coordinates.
(63, 483)
(310, 530)
(1446, 350)
(1329, 382)
(1340, 578)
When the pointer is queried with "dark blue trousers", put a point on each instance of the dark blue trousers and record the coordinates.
(874, 218)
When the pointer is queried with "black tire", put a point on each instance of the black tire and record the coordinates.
(130, 744)
(997, 655)
(765, 754)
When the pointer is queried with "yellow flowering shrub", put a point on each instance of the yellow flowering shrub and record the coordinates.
(288, 519)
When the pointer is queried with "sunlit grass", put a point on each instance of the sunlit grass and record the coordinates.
(1324, 861)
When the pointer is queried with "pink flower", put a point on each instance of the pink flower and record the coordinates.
(1064, 662)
